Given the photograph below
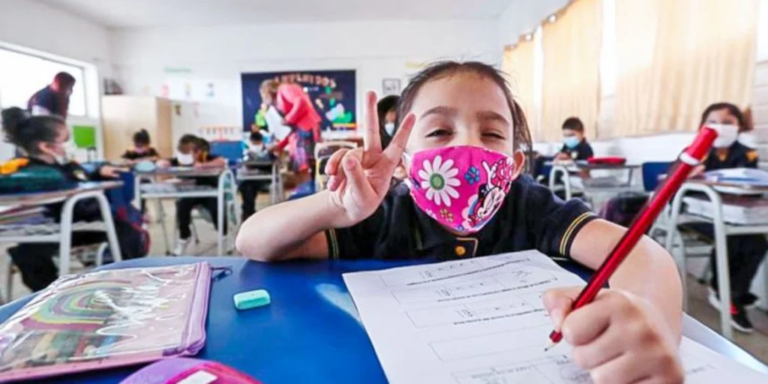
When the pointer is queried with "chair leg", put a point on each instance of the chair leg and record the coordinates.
(100, 254)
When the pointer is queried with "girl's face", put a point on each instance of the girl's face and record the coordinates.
(461, 109)
(56, 148)
(722, 116)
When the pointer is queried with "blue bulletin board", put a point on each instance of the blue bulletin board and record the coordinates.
(333, 93)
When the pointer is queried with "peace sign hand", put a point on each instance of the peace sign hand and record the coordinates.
(360, 178)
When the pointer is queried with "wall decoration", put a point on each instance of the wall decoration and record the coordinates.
(390, 87)
(187, 91)
(333, 94)
(165, 91)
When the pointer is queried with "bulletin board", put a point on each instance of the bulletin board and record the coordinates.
(333, 94)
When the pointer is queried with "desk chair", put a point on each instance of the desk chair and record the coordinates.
(47, 232)
(323, 152)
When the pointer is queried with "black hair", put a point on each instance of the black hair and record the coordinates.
(64, 79)
(521, 135)
(732, 109)
(203, 145)
(188, 139)
(141, 137)
(574, 124)
(384, 106)
(256, 136)
(26, 132)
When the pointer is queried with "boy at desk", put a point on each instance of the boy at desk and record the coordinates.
(249, 189)
(462, 137)
(745, 252)
(44, 139)
(142, 149)
(194, 151)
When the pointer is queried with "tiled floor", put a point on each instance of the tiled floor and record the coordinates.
(755, 343)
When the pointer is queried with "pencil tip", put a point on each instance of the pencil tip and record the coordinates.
(550, 344)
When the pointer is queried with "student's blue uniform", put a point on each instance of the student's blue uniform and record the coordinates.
(745, 252)
(583, 151)
(530, 218)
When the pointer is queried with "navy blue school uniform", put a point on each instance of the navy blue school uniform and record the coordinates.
(583, 151)
(745, 252)
(531, 217)
(185, 206)
(56, 103)
(35, 261)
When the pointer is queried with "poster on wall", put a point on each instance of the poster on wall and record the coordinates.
(333, 94)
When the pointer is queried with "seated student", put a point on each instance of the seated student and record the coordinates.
(194, 151)
(387, 112)
(575, 146)
(459, 126)
(250, 188)
(745, 252)
(43, 138)
(142, 150)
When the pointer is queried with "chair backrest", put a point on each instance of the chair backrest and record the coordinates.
(652, 171)
(230, 150)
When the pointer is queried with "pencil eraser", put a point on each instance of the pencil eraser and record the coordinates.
(251, 299)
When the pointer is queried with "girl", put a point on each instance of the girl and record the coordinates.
(194, 152)
(43, 138)
(745, 252)
(292, 102)
(462, 136)
(142, 150)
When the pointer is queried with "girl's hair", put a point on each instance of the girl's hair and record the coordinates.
(188, 139)
(141, 137)
(26, 132)
(269, 86)
(732, 109)
(439, 70)
(388, 103)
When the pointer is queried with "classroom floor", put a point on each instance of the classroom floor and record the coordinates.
(755, 343)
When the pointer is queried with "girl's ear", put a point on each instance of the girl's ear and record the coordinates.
(520, 159)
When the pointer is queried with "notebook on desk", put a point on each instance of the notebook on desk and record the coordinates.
(106, 319)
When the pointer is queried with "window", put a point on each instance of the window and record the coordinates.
(21, 75)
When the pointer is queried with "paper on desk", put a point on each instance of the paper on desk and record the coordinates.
(481, 321)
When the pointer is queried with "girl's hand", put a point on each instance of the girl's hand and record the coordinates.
(163, 164)
(618, 338)
(360, 178)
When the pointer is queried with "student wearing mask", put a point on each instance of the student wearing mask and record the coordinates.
(142, 149)
(387, 111)
(249, 189)
(54, 98)
(575, 146)
(43, 139)
(463, 136)
(193, 151)
(745, 252)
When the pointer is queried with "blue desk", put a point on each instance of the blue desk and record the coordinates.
(307, 334)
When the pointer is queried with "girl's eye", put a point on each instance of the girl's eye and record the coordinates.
(494, 135)
(439, 133)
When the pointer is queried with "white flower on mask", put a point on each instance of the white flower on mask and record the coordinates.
(439, 179)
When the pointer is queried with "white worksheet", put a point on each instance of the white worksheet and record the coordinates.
(481, 321)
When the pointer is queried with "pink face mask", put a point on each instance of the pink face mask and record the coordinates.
(461, 187)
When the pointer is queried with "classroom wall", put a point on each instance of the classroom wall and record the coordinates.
(147, 59)
(33, 25)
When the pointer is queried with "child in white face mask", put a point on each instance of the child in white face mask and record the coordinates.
(44, 139)
(745, 252)
(467, 196)
(194, 151)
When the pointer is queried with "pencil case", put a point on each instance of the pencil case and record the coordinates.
(107, 319)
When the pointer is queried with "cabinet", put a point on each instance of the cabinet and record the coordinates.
(125, 115)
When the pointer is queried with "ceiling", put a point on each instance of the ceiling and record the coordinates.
(118, 14)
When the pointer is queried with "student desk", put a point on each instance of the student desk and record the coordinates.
(722, 231)
(594, 185)
(169, 191)
(12, 206)
(255, 170)
(308, 334)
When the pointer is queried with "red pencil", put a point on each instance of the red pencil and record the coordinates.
(690, 158)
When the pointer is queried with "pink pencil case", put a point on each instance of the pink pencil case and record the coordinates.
(107, 319)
